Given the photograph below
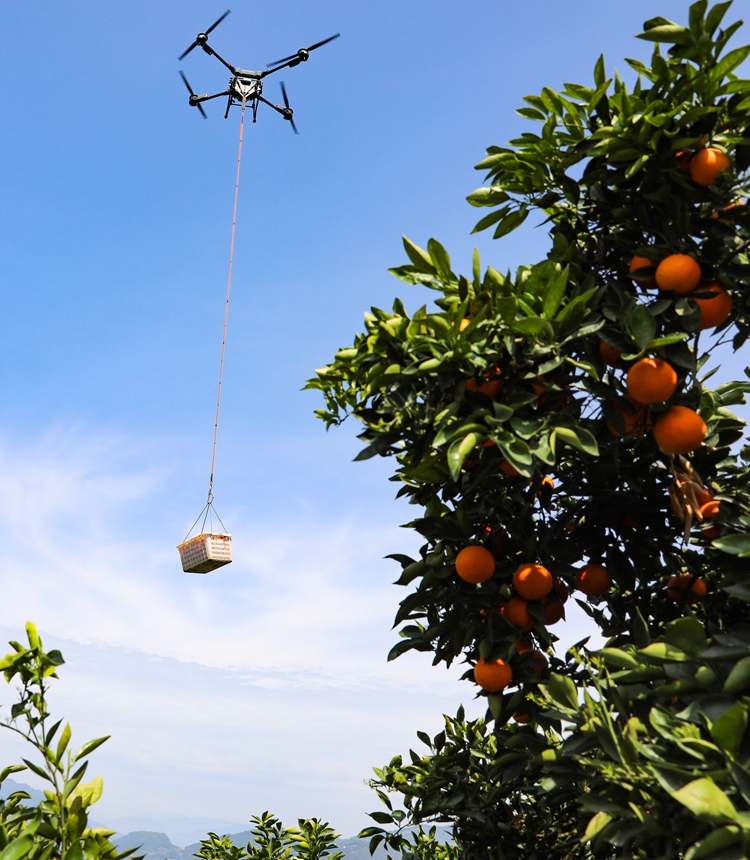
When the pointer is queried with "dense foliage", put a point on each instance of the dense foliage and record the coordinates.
(510, 412)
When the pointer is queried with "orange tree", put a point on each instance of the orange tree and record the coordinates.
(556, 431)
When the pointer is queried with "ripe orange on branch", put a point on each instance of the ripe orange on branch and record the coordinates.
(639, 262)
(686, 588)
(635, 415)
(493, 676)
(516, 612)
(651, 380)
(475, 564)
(532, 581)
(540, 659)
(610, 354)
(716, 309)
(678, 272)
(593, 580)
(679, 430)
(707, 164)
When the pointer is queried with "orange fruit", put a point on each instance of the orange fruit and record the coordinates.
(710, 509)
(703, 496)
(678, 272)
(464, 324)
(516, 612)
(509, 469)
(522, 717)
(593, 580)
(651, 380)
(641, 263)
(553, 611)
(561, 591)
(681, 590)
(610, 354)
(490, 387)
(493, 676)
(490, 384)
(707, 164)
(679, 430)
(475, 564)
(540, 659)
(716, 309)
(532, 581)
(636, 416)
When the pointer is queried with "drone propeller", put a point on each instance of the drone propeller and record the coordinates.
(302, 55)
(193, 103)
(290, 117)
(202, 38)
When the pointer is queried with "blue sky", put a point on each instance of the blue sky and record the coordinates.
(263, 685)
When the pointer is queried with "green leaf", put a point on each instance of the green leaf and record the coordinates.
(715, 16)
(642, 326)
(418, 257)
(687, 634)
(729, 729)
(563, 690)
(595, 825)
(739, 678)
(575, 303)
(736, 544)
(17, 848)
(33, 636)
(459, 451)
(511, 221)
(730, 62)
(490, 219)
(440, 260)
(617, 657)
(579, 438)
(487, 197)
(89, 747)
(89, 792)
(706, 801)
(712, 845)
(671, 33)
(554, 293)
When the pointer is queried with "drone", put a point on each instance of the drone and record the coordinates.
(247, 86)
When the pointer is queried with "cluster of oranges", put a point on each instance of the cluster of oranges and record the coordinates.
(681, 274)
(531, 583)
(678, 430)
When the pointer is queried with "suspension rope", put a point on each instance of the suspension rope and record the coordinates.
(226, 313)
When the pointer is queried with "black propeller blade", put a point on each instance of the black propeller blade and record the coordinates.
(303, 53)
(286, 104)
(202, 38)
(192, 95)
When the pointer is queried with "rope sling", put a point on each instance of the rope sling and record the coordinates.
(208, 551)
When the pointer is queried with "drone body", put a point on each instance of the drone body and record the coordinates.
(246, 87)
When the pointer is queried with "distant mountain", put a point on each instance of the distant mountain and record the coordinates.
(10, 786)
(181, 829)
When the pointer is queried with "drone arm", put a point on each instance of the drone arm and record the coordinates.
(295, 61)
(209, 50)
(281, 110)
(199, 99)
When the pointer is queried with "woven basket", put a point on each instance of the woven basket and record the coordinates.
(205, 552)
